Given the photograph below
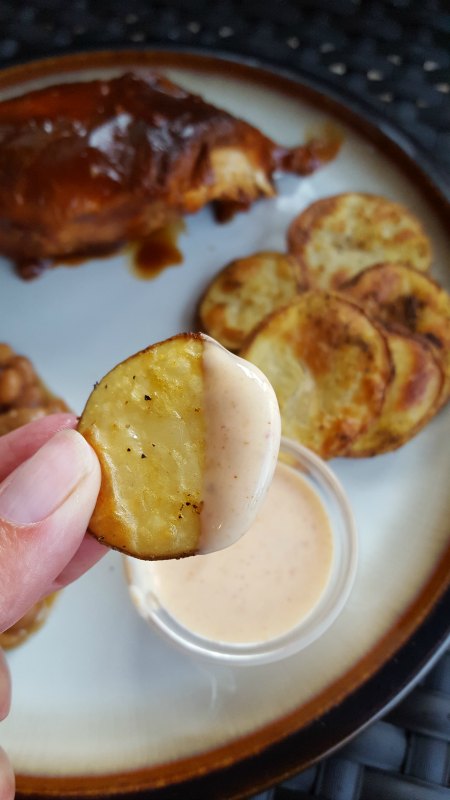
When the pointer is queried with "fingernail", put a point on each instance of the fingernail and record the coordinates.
(42, 483)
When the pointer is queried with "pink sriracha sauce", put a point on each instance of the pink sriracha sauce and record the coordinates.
(254, 587)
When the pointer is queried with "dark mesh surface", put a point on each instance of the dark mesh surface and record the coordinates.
(392, 57)
(405, 756)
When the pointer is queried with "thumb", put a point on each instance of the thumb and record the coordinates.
(45, 507)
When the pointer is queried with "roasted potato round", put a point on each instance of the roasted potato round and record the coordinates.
(411, 398)
(245, 292)
(187, 435)
(329, 365)
(145, 420)
(400, 295)
(337, 237)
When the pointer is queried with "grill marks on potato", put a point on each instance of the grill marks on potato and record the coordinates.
(145, 420)
(397, 294)
(411, 398)
(338, 237)
(244, 293)
(329, 365)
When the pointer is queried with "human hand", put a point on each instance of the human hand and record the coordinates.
(49, 482)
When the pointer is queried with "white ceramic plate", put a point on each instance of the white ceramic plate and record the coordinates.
(101, 703)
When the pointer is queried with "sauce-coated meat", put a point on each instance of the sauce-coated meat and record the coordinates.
(88, 166)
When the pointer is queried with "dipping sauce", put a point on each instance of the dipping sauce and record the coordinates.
(242, 433)
(259, 588)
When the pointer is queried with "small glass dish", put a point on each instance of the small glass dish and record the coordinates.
(143, 582)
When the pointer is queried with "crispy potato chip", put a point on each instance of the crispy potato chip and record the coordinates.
(245, 292)
(411, 398)
(398, 294)
(337, 237)
(329, 365)
(145, 420)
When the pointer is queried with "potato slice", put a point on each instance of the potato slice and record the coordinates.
(187, 435)
(245, 292)
(145, 420)
(411, 398)
(398, 294)
(337, 237)
(329, 365)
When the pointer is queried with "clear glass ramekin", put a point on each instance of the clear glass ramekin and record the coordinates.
(326, 486)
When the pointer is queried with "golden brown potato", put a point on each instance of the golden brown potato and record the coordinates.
(337, 237)
(245, 292)
(145, 420)
(329, 365)
(411, 398)
(398, 294)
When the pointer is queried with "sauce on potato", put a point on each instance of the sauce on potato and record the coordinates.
(187, 436)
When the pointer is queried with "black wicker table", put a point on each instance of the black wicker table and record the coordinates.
(390, 59)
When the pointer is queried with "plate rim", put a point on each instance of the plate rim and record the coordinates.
(257, 760)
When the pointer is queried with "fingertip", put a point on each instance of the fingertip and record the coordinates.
(22, 443)
(88, 453)
(42, 483)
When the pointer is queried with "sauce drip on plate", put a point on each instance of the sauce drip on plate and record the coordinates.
(158, 251)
